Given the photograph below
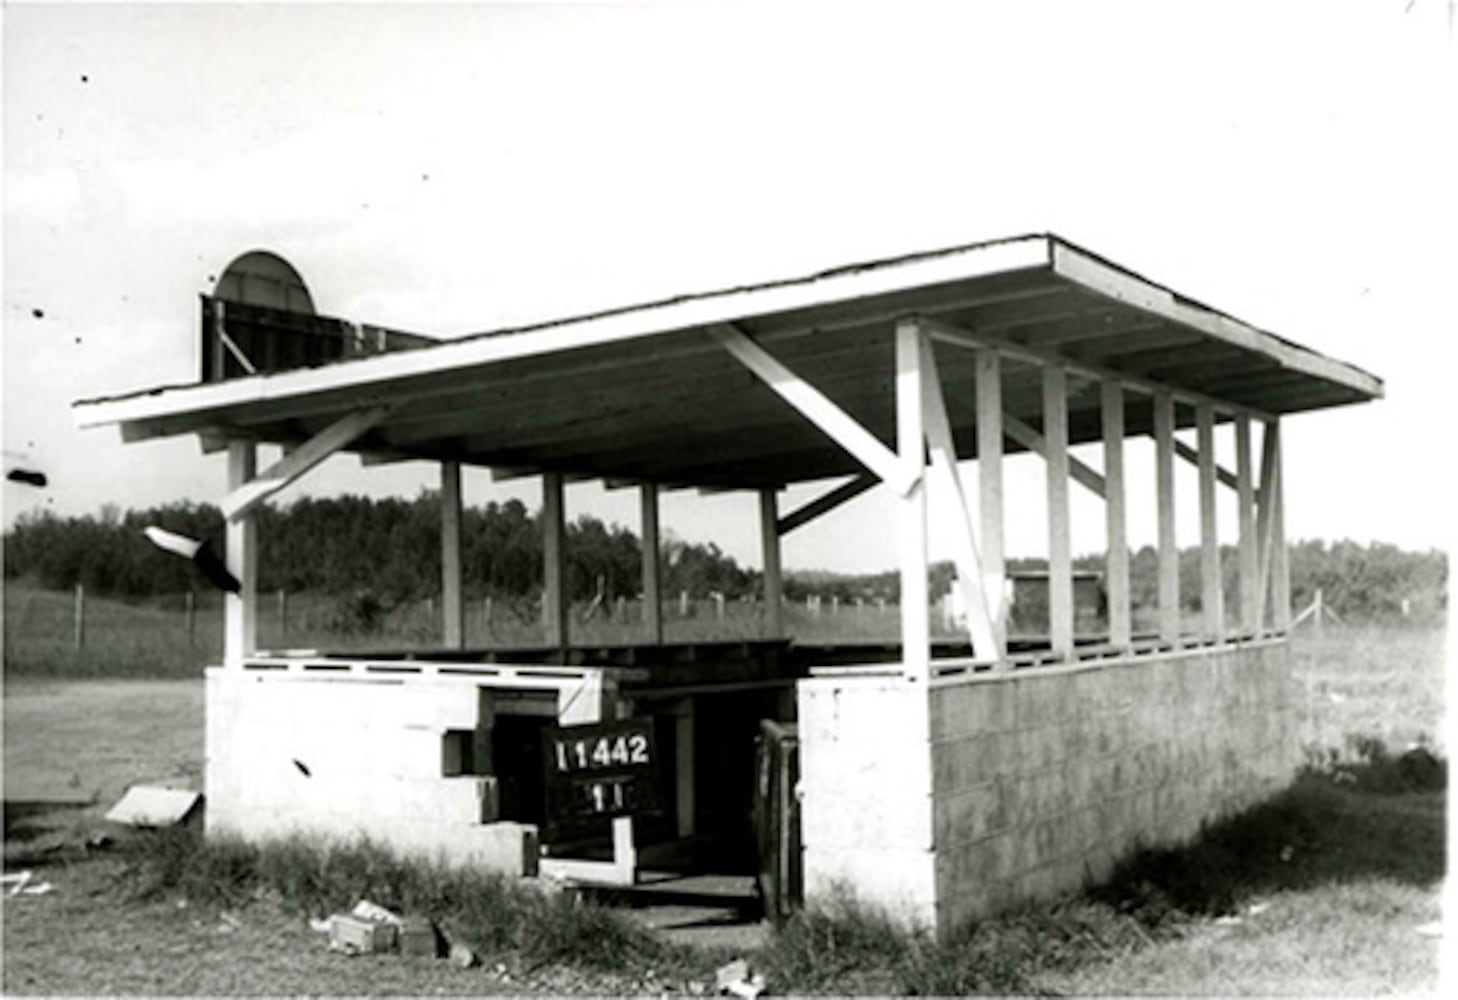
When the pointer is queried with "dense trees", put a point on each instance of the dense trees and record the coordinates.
(390, 550)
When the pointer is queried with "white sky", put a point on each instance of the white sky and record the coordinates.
(455, 169)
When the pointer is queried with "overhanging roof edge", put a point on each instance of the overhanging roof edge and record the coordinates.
(1075, 264)
(837, 285)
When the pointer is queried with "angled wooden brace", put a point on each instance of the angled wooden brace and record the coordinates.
(945, 477)
(1192, 455)
(1035, 442)
(826, 502)
(299, 461)
(817, 408)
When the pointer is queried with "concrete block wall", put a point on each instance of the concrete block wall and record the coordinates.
(866, 794)
(1042, 779)
(345, 756)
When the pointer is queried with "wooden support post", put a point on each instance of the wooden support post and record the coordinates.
(1281, 557)
(1248, 556)
(1212, 598)
(1169, 553)
(1060, 549)
(1116, 559)
(911, 455)
(452, 605)
(1266, 523)
(652, 576)
(989, 488)
(282, 598)
(240, 610)
(554, 561)
(79, 610)
(774, 584)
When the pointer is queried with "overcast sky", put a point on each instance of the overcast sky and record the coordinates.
(455, 169)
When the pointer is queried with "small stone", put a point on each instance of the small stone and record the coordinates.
(462, 956)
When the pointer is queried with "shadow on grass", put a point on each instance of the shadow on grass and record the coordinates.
(1341, 821)
(1380, 818)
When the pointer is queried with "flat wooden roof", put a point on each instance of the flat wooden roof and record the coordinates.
(648, 393)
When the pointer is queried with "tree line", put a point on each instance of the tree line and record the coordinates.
(390, 549)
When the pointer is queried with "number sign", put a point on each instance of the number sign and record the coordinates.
(599, 771)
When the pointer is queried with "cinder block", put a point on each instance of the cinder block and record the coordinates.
(352, 934)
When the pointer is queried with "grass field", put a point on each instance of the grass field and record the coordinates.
(1337, 914)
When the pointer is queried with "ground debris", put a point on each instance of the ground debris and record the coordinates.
(735, 978)
(153, 806)
(21, 885)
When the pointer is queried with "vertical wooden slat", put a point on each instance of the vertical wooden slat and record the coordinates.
(1060, 550)
(911, 448)
(240, 610)
(652, 577)
(554, 561)
(452, 608)
(989, 487)
(1169, 555)
(1116, 560)
(1212, 601)
(774, 585)
(219, 356)
(1248, 558)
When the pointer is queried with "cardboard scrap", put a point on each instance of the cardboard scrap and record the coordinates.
(153, 806)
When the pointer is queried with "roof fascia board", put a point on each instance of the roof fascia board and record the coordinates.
(376, 371)
(1113, 283)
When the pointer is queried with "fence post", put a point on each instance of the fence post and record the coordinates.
(683, 604)
(283, 613)
(190, 603)
(80, 615)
